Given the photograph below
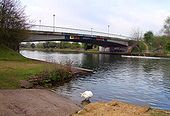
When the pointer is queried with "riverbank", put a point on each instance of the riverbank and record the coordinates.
(14, 68)
(35, 102)
(20, 102)
(116, 108)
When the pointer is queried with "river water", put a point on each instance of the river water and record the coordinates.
(141, 81)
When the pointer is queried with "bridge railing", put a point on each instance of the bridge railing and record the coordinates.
(76, 31)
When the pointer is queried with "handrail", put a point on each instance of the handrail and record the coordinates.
(78, 31)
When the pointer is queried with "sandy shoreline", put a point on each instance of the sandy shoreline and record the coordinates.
(35, 102)
(117, 108)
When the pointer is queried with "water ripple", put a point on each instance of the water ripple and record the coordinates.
(133, 80)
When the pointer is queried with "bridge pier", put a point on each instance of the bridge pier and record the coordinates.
(113, 49)
(104, 49)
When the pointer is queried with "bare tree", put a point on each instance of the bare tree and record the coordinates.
(12, 23)
(136, 34)
(166, 28)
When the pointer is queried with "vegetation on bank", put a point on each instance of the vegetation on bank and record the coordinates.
(60, 47)
(8, 54)
(51, 76)
(53, 45)
(154, 44)
(14, 68)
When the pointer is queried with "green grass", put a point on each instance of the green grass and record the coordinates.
(11, 72)
(9, 54)
(14, 67)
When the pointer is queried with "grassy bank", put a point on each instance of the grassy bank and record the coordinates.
(14, 67)
(13, 71)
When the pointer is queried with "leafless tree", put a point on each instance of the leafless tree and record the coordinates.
(136, 34)
(166, 28)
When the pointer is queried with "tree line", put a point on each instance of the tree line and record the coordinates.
(154, 43)
(53, 44)
(58, 45)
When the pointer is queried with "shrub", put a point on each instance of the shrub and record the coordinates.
(140, 47)
(51, 76)
(168, 46)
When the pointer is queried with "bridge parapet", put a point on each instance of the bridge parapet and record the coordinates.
(79, 32)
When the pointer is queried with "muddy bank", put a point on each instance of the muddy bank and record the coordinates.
(35, 102)
(115, 108)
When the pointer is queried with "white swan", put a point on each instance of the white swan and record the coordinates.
(86, 95)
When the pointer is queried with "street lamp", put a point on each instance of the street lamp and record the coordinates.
(91, 31)
(53, 22)
(39, 24)
(108, 29)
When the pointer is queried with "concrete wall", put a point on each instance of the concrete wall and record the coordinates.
(104, 49)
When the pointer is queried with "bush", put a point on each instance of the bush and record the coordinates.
(140, 47)
(168, 46)
(52, 76)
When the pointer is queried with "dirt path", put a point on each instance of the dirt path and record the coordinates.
(34, 102)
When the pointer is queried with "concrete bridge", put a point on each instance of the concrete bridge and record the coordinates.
(109, 42)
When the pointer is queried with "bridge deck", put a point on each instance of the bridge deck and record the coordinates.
(80, 32)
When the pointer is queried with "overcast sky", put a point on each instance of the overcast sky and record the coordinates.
(123, 16)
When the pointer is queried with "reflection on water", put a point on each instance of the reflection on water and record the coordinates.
(133, 80)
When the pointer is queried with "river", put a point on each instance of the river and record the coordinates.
(141, 81)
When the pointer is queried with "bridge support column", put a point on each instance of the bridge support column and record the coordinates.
(104, 49)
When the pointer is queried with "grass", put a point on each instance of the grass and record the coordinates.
(11, 72)
(7, 54)
(14, 67)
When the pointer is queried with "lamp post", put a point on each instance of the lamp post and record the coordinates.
(108, 29)
(53, 22)
(91, 31)
(39, 24)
